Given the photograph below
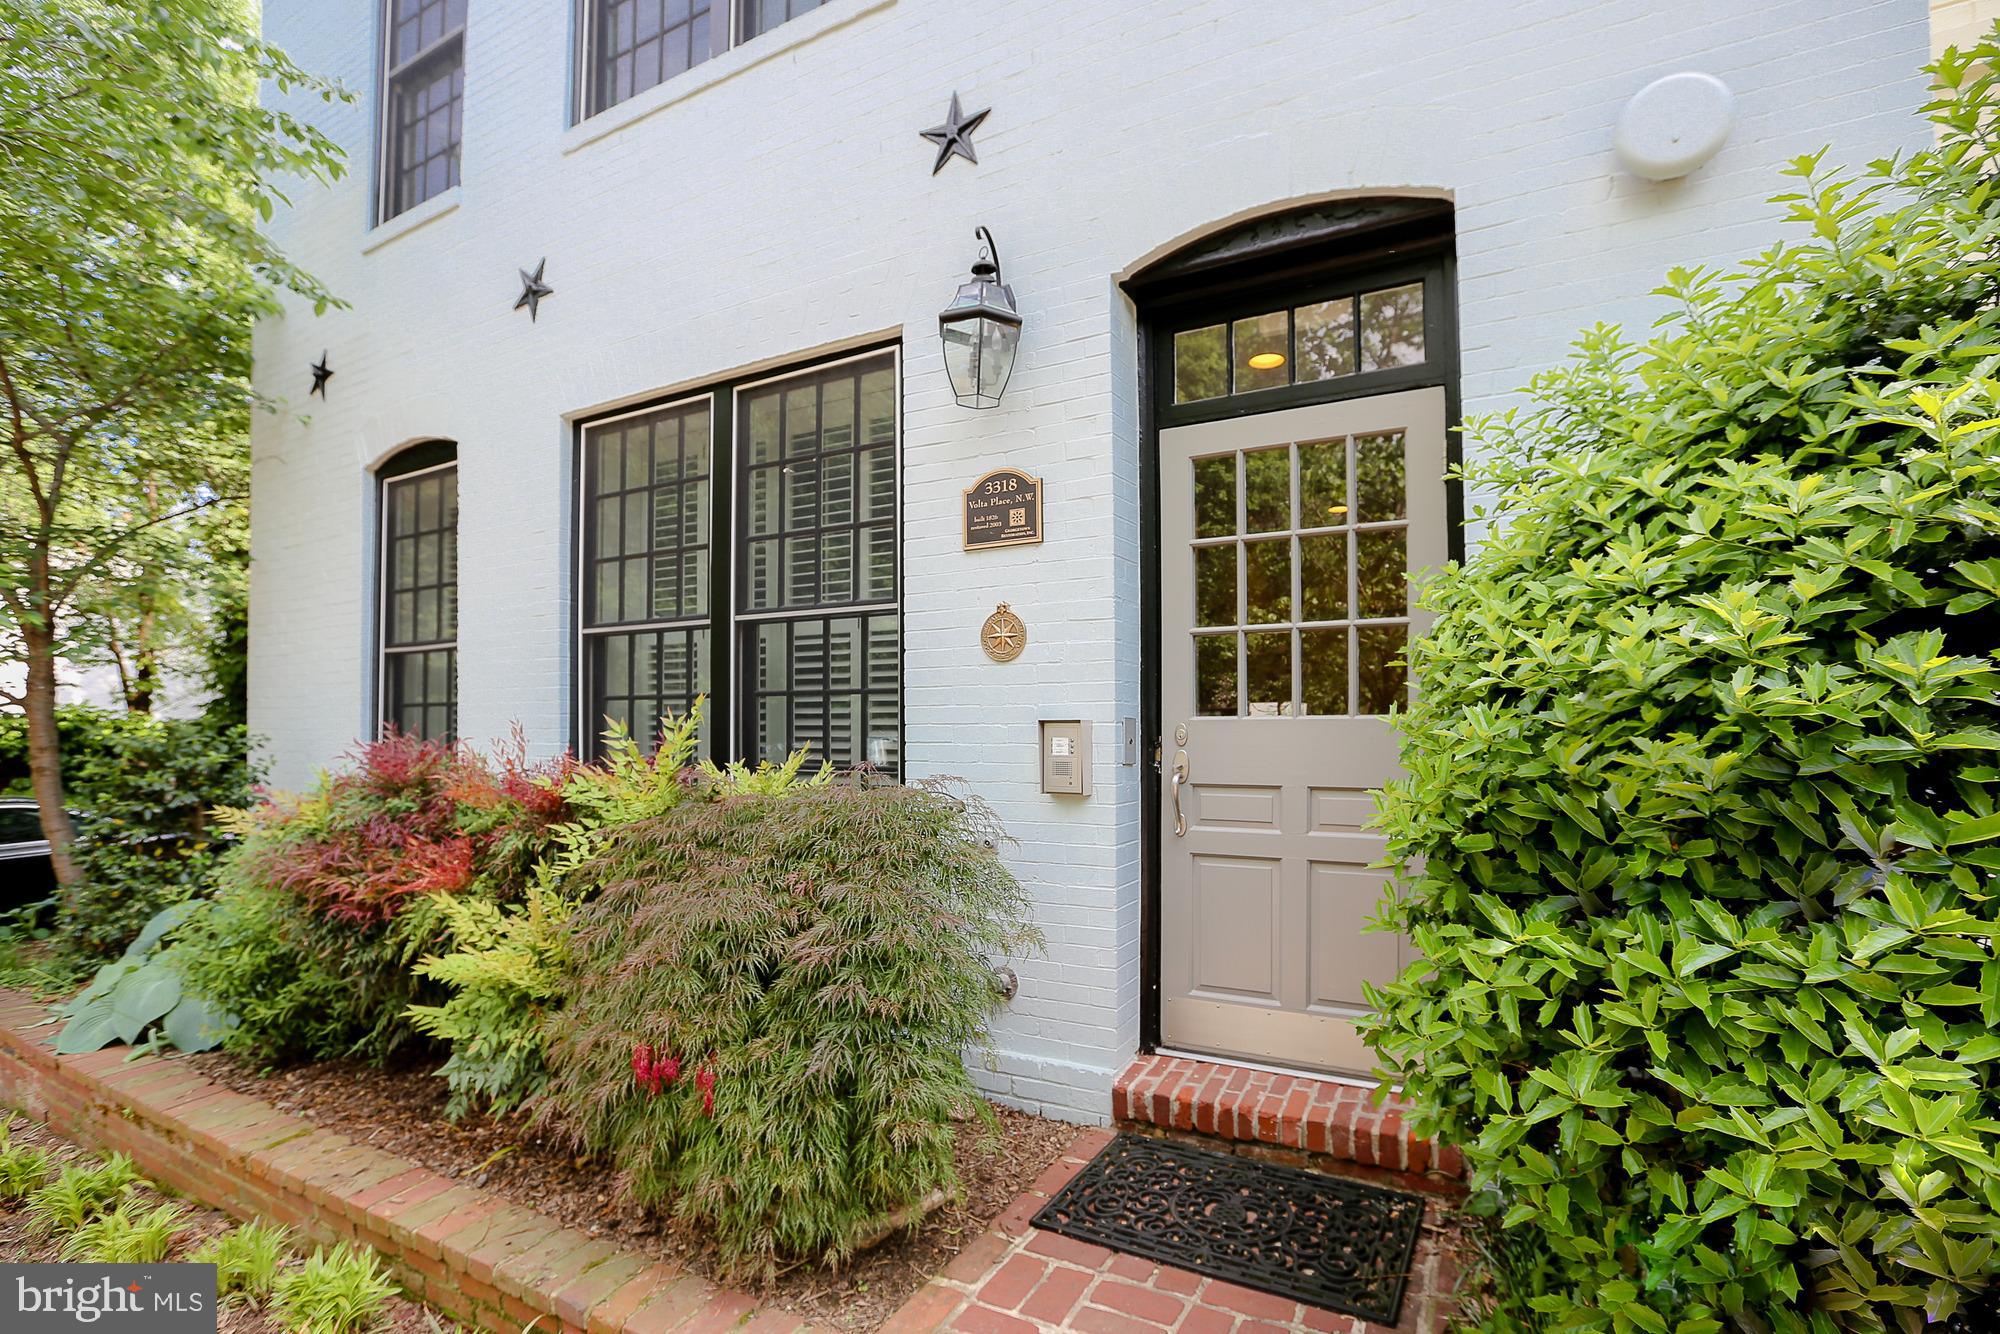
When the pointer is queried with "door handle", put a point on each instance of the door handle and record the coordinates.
(1180, 776)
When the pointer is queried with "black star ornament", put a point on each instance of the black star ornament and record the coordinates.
(533, 289)
(954, 137)
(321, 374)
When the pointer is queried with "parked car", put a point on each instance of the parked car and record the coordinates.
(26, 873)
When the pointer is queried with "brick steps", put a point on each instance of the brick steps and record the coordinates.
(477, 1258)
(1289, 1118)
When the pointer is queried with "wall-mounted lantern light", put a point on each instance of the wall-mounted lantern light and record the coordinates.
(981, 331)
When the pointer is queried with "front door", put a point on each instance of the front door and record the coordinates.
(1286, 543)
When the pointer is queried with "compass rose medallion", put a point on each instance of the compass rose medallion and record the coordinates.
(1003, 636)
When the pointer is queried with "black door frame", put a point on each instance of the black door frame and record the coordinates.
(1271, 263)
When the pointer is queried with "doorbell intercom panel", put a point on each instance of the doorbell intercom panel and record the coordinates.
(1066, 756)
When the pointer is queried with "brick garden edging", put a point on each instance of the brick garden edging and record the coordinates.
(468, 1252)
(1316, 1121)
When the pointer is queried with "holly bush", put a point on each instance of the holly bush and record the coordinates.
(1702, 810)
(769, 1002)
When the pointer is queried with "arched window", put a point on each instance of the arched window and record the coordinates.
(418, 672)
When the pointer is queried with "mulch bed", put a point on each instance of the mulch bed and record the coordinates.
(20, 1243)
(401, 1111)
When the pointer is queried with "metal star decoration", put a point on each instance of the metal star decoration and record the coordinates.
(533, 289)
(954, 137)
(321, 374)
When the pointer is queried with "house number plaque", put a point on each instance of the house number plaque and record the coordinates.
(1003, 509)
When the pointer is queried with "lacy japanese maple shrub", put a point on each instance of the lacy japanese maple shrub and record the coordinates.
(770, 1004)
(329, 899)
(1704, 784)
(504, 964)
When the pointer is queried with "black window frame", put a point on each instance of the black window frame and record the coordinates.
(595, 629)
(398, 80)
(730, 635)
(730, 24)
(414, 464)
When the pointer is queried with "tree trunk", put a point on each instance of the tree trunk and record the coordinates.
(45, 754)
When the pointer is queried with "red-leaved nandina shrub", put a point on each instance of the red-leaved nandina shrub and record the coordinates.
(411, 818)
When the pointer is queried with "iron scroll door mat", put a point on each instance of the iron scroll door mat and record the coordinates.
(1321, 1240)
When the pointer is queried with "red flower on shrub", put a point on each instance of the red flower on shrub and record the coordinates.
(705, 1081)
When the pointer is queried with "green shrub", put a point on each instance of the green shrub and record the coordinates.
(342, 1291)
(254, 951)
(1702, 778)
(146, 789)
(149, 838)
(79, 1193)
(125, 1235)
(770, 1002)
(84, 732)
(246, 1259)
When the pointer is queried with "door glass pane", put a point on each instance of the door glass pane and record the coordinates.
(1201, 363)
(1268, 679)
(1215, 676)
(1268, 570)
(1267, 490)
(1392, 327)
(1323, 484)
(1323, 671)
(1260, 359)
(1378, 477)
(1324, 335)
(1383, 678)
(1323, 577)
(1380, 575)
(1215, 585)
(1215, 496)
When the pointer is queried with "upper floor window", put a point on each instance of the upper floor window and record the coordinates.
(419, 635)
(423, 95)
(631, 45)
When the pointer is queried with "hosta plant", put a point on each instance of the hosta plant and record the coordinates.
(770, 1003)
(1702, 814)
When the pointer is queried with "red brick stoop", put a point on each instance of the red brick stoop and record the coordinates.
(469, 1253)
(1314, 1121)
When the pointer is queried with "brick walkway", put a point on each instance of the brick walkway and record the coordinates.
(1017, 1279)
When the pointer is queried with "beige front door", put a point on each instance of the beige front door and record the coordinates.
(1286, 542)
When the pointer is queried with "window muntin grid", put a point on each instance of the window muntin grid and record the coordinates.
(1301, 583)
(645, 568)
(424, 98)
(1326, 340)
(420, 603)
(641, 43)
(633, 45)
(819, 630)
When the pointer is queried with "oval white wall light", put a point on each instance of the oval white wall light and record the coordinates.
(1673, 125)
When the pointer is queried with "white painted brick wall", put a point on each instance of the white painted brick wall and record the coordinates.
(781, 201)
